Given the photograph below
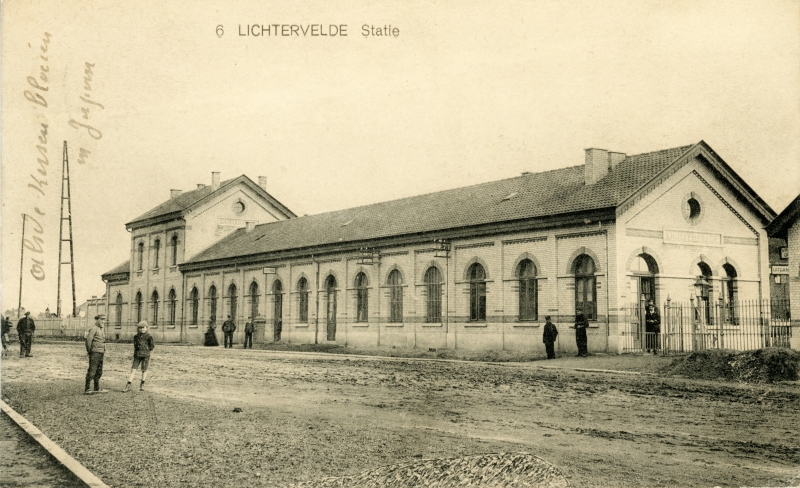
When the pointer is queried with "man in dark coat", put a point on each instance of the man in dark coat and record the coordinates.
(652, 327)
(25, 328)
(549, 337)
(228, 328)
(581, 324)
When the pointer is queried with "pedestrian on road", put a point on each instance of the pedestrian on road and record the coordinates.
(581, 324)
(549, 337)
(228, 328)
(652, 327)
(4, 336)
(143, 344)
(211, 334)
(25, 328)
(248, 334)
(96, 349)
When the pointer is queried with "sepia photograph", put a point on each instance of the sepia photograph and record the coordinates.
(440, 243)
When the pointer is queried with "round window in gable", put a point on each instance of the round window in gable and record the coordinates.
(692, 208)
(238, 207)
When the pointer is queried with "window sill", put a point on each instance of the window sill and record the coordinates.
(526, 326)
(476, 324)
(301, 326)
(362, 325)
(431, 325)
(394, 325)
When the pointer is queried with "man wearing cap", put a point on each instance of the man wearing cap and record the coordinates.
(25, 328)
(96, 349)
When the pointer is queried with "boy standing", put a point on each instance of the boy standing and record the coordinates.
(96, 349)
(142, 345)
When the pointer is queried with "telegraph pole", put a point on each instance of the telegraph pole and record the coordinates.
(65, 195)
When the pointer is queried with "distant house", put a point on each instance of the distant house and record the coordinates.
(477, 267)
(92, 307)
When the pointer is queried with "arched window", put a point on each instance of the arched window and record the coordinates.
(302, 291)
(277, 315)
(212, 303)
(477, 292)
(730, 293)
(140, 257)
(233, 300)
(171, 307)
(174, 260)
(395, 283)
(330, 291)
(154, 305)
(528, 299)
(156, 250)
(433, 292)
(253, 300)
(194, 298)
(645, 269)
(703, 292)
(585, 286)
(138, 306)
(362, 298)
(119, 310)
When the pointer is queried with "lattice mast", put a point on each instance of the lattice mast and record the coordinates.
(65, 196)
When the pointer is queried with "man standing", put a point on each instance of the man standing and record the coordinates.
(96, 349)
(248, 334)
(228, 328)
(581, 324)
(25, 328)
(549, 337)
(652, 327)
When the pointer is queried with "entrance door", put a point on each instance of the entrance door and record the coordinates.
(331, 312)
(278, 315)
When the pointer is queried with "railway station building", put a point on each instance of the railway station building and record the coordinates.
(477, 267)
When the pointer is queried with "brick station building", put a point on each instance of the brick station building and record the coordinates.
(786, 263)
(477, 267)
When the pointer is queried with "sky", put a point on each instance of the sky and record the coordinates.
(152, 96)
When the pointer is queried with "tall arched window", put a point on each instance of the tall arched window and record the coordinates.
(433, 292)
(477, 292)
(212, 303)
(585, 286)
(395, 283)
(528, 299)
(253, 300)
(194, 298)
(119, 310)
(302, 291)
(138, 306)
(362, 298)
(154, 305)
(729, 293)
(703, 291)
(233, 300)
(156, 251)
(174, 247)
(645, 269)
(277, 315)
(330, 291)
(172, 303)
(140, 256)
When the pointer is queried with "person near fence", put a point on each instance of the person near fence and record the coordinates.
(652, 327)
(549, 337)
(96, 349)
(143, 344)
(581, 324)
(248, 334)
(25, 328)
(228, 328)
(211, 335)
(4, 336)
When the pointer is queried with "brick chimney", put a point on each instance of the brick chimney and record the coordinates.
(598, 163)
(262, 182)
(174, 194)
(200, 186)
(249, 226)
(214, 180)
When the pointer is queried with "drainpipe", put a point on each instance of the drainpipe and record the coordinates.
(608, 294)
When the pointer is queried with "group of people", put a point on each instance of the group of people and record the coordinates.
(652, 329)
(25, 328)
(228, 328)
(143, 345)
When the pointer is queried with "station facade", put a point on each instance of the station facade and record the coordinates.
(471, 268)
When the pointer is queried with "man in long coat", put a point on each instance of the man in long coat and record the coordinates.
(25, 328)
(549, 337)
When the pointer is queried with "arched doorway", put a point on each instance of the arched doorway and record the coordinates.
(703, 293)
(330, 291)
(277, 317)
(729, 294)
(643, 285)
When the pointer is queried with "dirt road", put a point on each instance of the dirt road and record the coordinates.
(305, 416)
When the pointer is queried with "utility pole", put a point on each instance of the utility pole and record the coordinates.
(21, 262)
(65, 195)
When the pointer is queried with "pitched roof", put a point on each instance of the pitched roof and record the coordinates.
(122, 268)
(528, 196)
(780, 226)
(191, 198)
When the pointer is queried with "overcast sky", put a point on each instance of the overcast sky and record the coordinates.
(468, 92)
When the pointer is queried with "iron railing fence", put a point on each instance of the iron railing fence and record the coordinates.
(698, 325)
